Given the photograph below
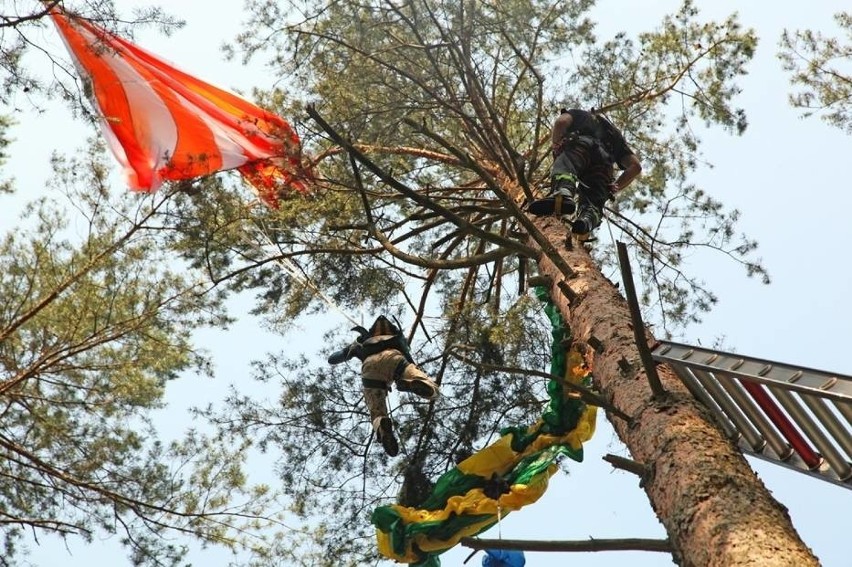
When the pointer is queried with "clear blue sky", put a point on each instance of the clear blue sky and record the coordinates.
(785, 172)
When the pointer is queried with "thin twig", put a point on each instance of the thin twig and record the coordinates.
(587, 395)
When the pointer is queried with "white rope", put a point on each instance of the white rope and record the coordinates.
(609, 228)
(291, 268)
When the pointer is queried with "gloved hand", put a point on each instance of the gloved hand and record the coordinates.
(612, 189)
(344, 354)
(352, 350)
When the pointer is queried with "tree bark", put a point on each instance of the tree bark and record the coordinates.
(717, 512)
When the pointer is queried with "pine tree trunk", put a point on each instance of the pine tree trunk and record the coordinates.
(714, 507)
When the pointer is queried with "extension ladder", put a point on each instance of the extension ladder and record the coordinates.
(792, 416)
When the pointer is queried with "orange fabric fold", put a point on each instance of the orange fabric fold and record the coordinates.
(163, 124)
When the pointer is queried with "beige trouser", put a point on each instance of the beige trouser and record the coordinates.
(381, 367)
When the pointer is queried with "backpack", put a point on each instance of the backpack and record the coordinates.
(611, 139)
(383, 327)
(608, 133)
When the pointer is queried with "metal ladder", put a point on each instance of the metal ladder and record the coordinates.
(792, 416)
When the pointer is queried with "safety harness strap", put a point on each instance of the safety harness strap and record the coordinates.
(400, 369)
(375, 345)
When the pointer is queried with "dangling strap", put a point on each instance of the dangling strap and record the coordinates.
(399, 370)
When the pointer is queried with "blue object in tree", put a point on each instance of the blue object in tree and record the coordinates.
(503, 558)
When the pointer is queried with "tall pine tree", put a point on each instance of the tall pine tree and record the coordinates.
(429, 122)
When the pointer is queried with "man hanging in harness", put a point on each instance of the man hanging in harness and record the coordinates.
(385, 359)
(586, 146)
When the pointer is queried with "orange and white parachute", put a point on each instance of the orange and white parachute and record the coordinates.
(163, 124)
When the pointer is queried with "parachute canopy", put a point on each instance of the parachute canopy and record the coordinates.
(163, 124)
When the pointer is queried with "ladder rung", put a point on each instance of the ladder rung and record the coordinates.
(837, 462)
(731, 409)
(829, 421)
(777, 443)
(698, 391)
(801, 446)
(845, 410)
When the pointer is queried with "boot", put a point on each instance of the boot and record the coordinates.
(423, 387)
(409, 378)
(383, 429)
(587, 220)
(561, 201)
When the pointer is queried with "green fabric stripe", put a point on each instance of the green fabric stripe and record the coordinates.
(451, 483)
(560, 417)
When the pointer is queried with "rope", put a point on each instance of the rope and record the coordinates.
(608, 226)
(292, 269)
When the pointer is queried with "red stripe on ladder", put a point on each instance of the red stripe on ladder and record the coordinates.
(785, 427)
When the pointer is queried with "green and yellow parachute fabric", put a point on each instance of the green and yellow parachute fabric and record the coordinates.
(502, 477)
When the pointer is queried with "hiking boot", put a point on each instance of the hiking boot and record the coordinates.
(384, 435)
(560, 203)
(581, 227)
(586, 222)
(423, 387)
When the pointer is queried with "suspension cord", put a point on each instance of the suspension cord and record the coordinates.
(299, 275)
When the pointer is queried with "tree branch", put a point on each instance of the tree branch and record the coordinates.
(650, 94)
(416, 197)
(586, 394)
(638, 326)
(628, 465)
(516, 212)
(477, 259)
(592, 544)
(13, 22)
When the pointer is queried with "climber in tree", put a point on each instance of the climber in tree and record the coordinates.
(385, 360)
(586, 147)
